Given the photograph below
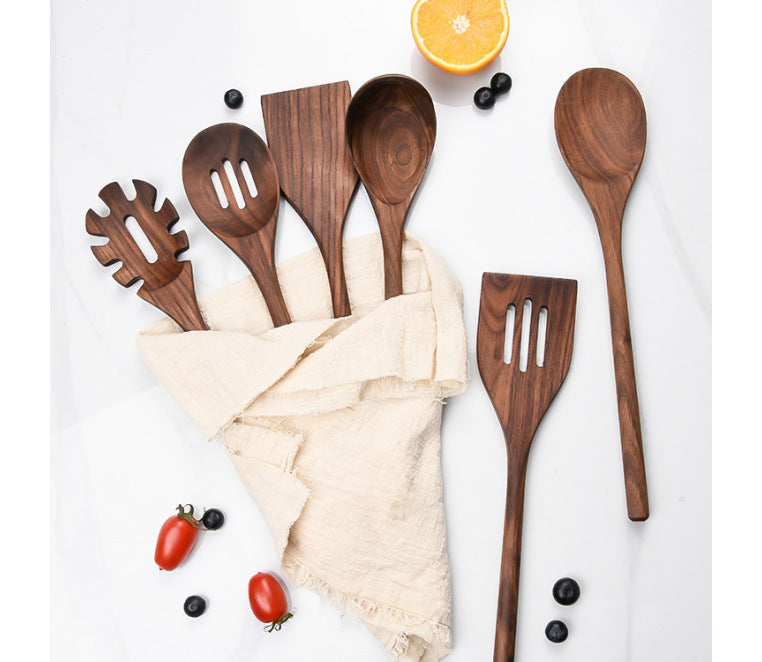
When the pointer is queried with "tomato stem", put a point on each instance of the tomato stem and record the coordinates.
(276, 625)
(187, 515)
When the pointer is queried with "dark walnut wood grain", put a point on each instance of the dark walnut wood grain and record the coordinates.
(248, 230)
(307, 138)
(521, 397)
(391, 127)
(167, 282)
(600, 125)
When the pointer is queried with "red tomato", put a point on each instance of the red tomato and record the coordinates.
(176, 539)
(268, 601)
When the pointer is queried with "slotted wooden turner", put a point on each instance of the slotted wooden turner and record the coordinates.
(167, 282)
(521, 391)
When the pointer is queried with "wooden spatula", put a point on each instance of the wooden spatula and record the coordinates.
(521, 382)
(167, 282)
(307, 139)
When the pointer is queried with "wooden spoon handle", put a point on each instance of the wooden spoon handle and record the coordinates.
(626, 389)
(270, 288)
(256, 251)
(391, 221)
(508, 594)
(178, 300)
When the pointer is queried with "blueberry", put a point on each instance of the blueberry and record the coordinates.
(566, 591)
(194, 606)
(556, 631)
(484, 98)
(500, 83)
(213, 519)
(233, 99)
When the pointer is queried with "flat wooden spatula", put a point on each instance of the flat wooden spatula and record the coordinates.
(307, 139)
(522, 374)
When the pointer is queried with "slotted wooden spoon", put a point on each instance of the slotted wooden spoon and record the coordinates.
(167, 282)
(521, 391)
(306, 136)
(601, 131)
(391, 127)
(247, 226)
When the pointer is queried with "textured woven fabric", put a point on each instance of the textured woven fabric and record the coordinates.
(334, 428)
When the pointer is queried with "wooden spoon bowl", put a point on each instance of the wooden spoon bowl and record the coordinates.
(391, 128)
(206, 154)
(601, 126)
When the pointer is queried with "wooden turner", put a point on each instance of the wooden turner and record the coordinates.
(521, 388)
(307, 139)
(167, 282)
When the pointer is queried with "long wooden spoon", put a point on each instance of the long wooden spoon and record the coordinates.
(240, 211)
(391, 127)
(167, 282)
(307, 138)
(521, 386)
(601, 131)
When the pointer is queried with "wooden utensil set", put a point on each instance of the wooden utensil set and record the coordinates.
(321, 142)
(320, 138)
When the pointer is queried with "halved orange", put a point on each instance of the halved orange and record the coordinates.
(460, 36)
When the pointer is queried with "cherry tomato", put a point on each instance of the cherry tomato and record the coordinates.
(268, 601)
(176, 539)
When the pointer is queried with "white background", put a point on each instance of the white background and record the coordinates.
(132, 82)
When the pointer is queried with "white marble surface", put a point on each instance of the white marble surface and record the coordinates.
(133, 81)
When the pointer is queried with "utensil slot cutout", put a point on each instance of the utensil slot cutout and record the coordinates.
(526, 322)
(510, 318)
(136, 232)
(542, 329)
(217, 183)
(249, 179)
(233, 181)
(235, 187)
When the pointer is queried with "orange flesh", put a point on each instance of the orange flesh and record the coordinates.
(460, 33)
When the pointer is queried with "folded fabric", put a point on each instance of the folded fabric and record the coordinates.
(334, 428)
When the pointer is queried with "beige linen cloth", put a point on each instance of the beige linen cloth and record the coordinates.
(334, 428)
